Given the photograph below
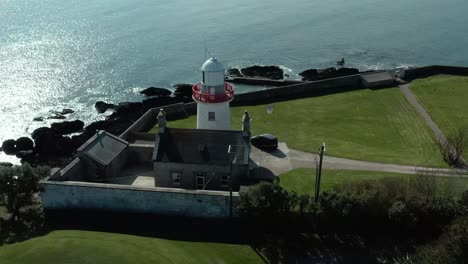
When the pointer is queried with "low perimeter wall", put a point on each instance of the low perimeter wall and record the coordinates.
(423, 72)
(306, 89)
(121, 198)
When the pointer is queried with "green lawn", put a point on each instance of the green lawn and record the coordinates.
(303, 180)
(96, 247)
(372, 125)
(445, 97)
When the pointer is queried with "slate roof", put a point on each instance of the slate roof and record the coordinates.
(103, 148)
(200, 146)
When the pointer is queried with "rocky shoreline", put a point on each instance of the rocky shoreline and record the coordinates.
(56, 145)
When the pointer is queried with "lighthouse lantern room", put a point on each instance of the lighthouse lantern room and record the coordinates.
(213, 96)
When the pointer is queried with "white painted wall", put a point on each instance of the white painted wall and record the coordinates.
(222, 116)
(214, 78)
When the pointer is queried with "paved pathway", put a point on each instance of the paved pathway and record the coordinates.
(285, 159)
(422, 111)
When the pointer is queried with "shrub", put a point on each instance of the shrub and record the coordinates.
(434, 212)
(452, 150)
(451, 247)
(464, 198)
(264, 200)
(400, 214)
(17, 184)
(424, 183)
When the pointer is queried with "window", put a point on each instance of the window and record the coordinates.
(224, 180)
(203, 77)
(211, 116)
(175, 175)
(200, 181)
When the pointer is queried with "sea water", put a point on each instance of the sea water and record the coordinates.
(57, 54)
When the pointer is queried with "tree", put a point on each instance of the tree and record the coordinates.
(265, 201)
(452, 150)
(17, 185)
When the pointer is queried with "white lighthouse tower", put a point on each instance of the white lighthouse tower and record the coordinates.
(213, 95)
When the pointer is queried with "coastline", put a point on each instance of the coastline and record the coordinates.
(55, 147)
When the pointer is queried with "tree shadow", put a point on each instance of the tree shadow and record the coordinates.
(148, 225)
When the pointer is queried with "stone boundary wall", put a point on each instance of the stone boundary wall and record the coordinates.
(262, 81)
(302, 90)
(148, 119)
(288, 92)
(276, 94)
(131, 199)
(423, 72)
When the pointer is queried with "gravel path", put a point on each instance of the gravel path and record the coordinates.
(422, 111)
(285, 159)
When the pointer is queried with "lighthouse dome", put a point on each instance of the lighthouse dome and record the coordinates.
(212, 65)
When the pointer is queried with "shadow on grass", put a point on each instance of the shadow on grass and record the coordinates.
(287, 247)
(166, 227)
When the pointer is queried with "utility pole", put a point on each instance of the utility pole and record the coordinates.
(232, 161)
(230, 191)
(319, 172)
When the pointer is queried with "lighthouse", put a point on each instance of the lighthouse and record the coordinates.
(213, 96)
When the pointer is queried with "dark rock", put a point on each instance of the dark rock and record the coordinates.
(102, 107)
(9, 147)
(79, 140)
(64, 146)
(183, 90)
(48, 143)
(154, 91)
(314, 74)
(57, 117)
(25, 154)
(67, 111)
(41, 131)
(24, 144)
(68, 127)
(96, 126)
(6, 164)
(347, 71)
(234, 72)
(327, 73)
(128, 111)
(160, 101)
(269, 72)
(114, 126)
(64, 111)
(40, 119)
(309, 75)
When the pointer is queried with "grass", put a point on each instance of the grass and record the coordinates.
(372, 125)
(95, 247)
(445, 97)
(302, 181)
(3, 210)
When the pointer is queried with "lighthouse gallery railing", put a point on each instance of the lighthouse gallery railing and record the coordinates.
(213, 98)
